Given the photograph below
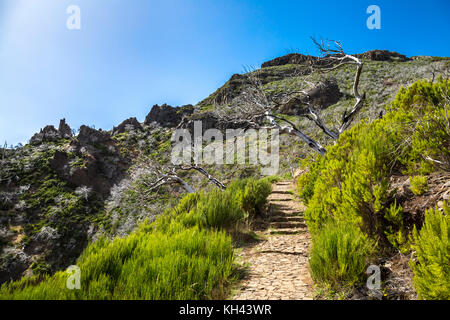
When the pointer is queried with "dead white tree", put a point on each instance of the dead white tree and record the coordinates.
(170, 175)
(254, 105)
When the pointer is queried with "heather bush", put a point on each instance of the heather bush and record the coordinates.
(340, 255)
(185, 254)
(419, 184)
(432, 251)
(349, 186)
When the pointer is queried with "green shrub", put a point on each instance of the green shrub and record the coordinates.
(184, 254)
(432, 249)
(254, 196)
(219, 209)
(350, 185)
(351, 182)
(419, 185)
(305, 183)
(340, 255)
(182, 264)
(395, 231)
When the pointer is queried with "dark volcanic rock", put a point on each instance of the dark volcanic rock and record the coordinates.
(323, 95)
(88, 135)
(168, 116)
(292, 58)
(231, 89)
(127, 125)
(382, 55)
(297, 58)
(210, 121)
(64, 131)
(60, 161)
(49, 133)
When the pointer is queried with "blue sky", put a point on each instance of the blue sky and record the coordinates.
(131, 54)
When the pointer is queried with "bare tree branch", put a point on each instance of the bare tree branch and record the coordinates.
(206, 174)
(253, 104)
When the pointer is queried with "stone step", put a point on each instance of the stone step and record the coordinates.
(291, 231)
(282, 192)
(287, 225)
(286, 213)
(279, 199)
(285, 218)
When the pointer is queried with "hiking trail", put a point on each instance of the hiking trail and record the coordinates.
(278, 265)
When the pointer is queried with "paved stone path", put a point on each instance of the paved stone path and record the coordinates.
(279, 265)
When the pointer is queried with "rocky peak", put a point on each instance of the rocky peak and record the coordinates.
(382, 55)
(168, 116)
(127, 125)
(292, 58)
(64, 130)
(49, 133)
(298, 58)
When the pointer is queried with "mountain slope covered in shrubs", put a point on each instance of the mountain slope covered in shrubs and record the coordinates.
(355, 215)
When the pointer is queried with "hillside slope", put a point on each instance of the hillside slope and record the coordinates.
(61, 190)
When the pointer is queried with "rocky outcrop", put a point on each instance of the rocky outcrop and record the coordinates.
(230, 90)
(101, 167)
(89, 135)
(168, 116)
(49, 133)
(64, 130)
(292, 58)
(127, 125)
(298, 58)
(323, 95)
(211, 121)
(382, 55)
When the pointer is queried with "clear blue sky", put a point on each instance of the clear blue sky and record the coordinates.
(131, 54)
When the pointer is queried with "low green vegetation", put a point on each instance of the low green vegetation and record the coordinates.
(419, 185)
(187, 253)
(340, 255)
(432, 250)
(349, 188)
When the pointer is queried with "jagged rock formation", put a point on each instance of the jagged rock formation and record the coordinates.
(168, 116)
(127, 125)
(49, 133)
(64, 130)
